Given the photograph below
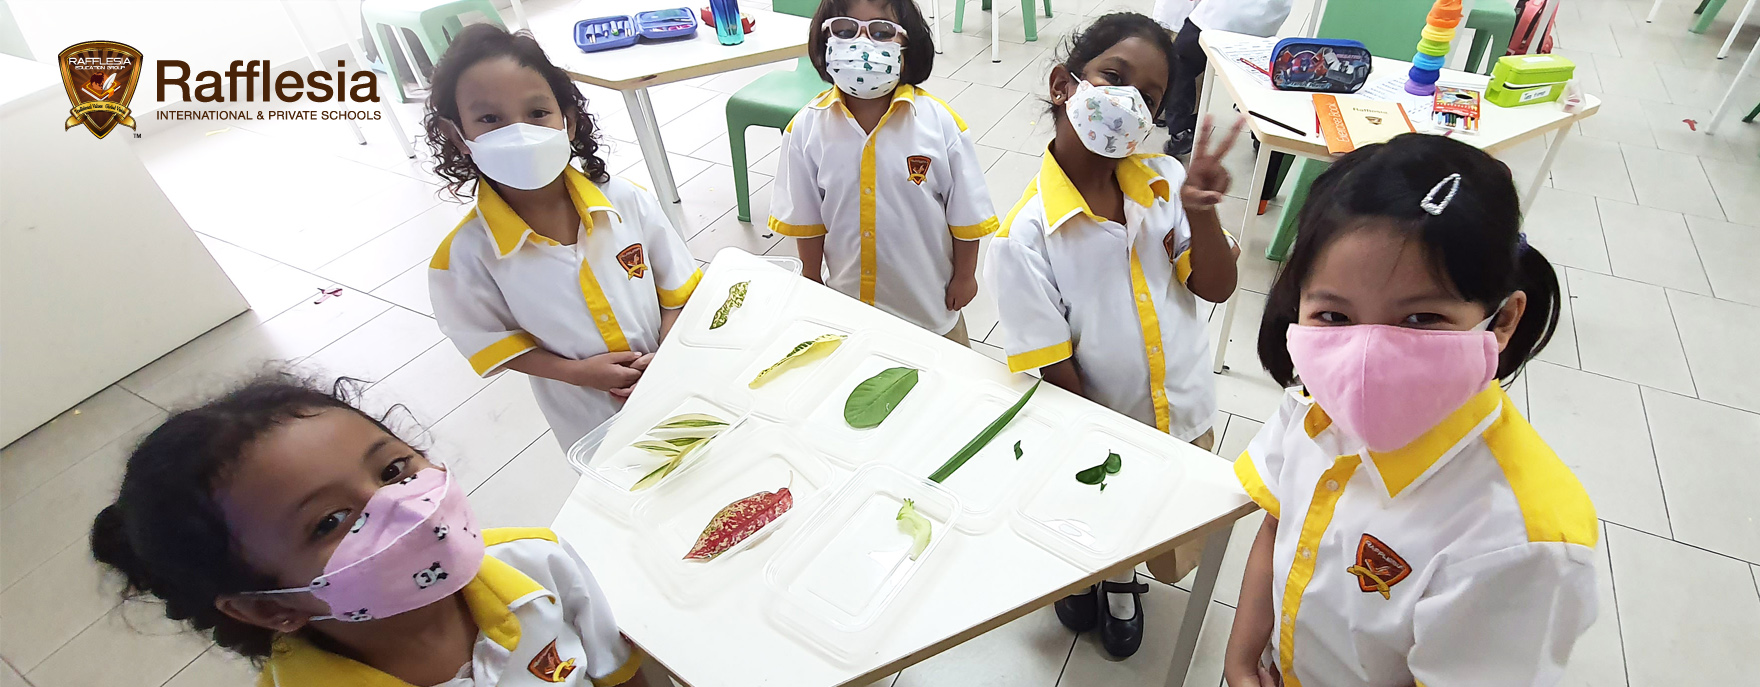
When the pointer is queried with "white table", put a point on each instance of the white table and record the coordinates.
(973, 584)
(1500, 129)
(635, 69)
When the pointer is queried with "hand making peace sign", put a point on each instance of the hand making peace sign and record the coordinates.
(1206, 179)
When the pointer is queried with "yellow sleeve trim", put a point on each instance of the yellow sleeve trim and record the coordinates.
(799, 231)
(624, 673)
(1182, 267)
(1256, 488)
(956, 118)
(492, 357)
(675, 298)
(1554, 505)
(1032, 360)
(973, 232)
(502, 535)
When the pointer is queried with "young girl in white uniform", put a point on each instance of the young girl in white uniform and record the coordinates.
(570, 276)
(1418, 530)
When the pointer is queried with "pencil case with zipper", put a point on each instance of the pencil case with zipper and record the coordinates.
(1320, 65)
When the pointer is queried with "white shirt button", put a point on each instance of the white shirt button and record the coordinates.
(1305, 552)
(1332, 485)
(1142, 296)
(604, 318)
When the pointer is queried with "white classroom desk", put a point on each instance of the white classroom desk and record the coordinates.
(972, 584)
(633, 70)
(1500, 128)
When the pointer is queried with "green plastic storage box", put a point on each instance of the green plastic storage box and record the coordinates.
(1528, 79)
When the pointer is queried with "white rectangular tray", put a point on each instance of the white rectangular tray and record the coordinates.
(903, 429)
(991, 481)
(1085, 525)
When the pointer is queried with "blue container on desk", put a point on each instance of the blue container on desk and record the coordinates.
(728, 28)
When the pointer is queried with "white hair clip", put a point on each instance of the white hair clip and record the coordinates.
(1435, 207)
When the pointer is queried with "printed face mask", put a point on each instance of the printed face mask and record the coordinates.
(415, 543)
(521, 155)
(863, 68)
(1389, 385)
(1111, 120)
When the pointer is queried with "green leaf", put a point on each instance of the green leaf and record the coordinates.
(1113, 463)
(801, 354)
(736, 297)
(1017, 450)
(691, 421)
(658, 447)
(1102, 486)
(912, 523)
(978, 442)
(1093, 475)
(872, 400)
(687, 442)
(658, 474)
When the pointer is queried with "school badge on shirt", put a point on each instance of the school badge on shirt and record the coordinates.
(919, 167)
(633, 261)
(1378, 567)
(549, 666)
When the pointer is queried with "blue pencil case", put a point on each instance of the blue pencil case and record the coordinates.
(678, 22)
(605, 33)
(1320, 65)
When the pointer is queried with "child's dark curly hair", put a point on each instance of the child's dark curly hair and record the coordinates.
(474, 44)
(1109, 30)
(165, 534)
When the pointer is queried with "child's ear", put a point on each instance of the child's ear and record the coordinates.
(1504, 322)
(1062, 82)
(267, 612)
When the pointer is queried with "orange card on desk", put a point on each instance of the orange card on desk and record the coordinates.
(1348, 123)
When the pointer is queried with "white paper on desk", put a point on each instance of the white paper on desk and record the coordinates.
(1257, 51)
(1417, 107)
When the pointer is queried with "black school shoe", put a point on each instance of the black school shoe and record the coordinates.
(1079, 612)
(1121, 636)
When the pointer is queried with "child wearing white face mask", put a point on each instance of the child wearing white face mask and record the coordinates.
(568, 275)
(1418, 530)
(878, 180)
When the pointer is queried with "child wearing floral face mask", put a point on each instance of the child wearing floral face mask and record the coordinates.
(569, 275)
(1099, 268)
(299, 532)
(1418, 531)
(879, 181)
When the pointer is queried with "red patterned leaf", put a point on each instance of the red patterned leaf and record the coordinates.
(739, 520)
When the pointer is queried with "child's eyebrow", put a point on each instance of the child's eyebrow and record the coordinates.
(1426, 297)
(374, 449)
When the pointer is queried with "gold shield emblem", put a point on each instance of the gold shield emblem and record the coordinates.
(100, 77)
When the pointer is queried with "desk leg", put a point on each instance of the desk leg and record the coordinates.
(1204, 92)
(995, 32)
(1651, 18)
(1197, 605)
(1545, 167)
(641, 113)
(1261, 166)
(1729, 95)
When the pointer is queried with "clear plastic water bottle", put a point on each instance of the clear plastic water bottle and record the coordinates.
(728, 28)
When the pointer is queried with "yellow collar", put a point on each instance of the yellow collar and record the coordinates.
(905, 93)
(509, 231)
(497, 591)
(1140, 183)
(1400, 469)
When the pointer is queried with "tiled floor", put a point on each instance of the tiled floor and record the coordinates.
(1647, 391)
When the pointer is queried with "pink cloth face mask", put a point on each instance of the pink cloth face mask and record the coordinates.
(415, 543)
(1389, 385)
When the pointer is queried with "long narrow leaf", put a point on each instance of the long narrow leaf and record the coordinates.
(978, 442)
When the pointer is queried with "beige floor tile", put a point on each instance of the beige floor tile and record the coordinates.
(1596, 425)
(9, 677)
(49, 450)
(195, 350)
(1234, 562)
(1562, 349)
(1050, 29)
(1253, 271)
(760, 141)
(1710, 495)
(1244, 389)
(754, 237)
(269, 286)
(1566, 227)
(392, 253)
(42, 523)
(1518, 393)
(133, 635)
(1636, 78)
(216, 667)
(56, 601)
(710, 195)
(1625, 330)
(1014, 57)
(308, 235)
(672, 101)
(1592, 166)
(1163, 607)
(1026, 129)
(1009, 177)
(487, 431)
(1621, 118)
(1671, 181)
(1737, 185)
(1585, 73)
(529, 491)
(694, 129)
(377, 348)
(1646, 42)
(1728, 251)
(684, 168)
(983, 106)
(959, 48)
(1028, 652)
(988, 156)
(1681, 129)
(1651, 246)
(428, 387)
(409, 290)
(1598, 659)
(1035, 79)
(766, 165)
(731, 82)
(619, 155)
(1694, 84)
(1719, 338)
(1683, 611)
(1589, 38)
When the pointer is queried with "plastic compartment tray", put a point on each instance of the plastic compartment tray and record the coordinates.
(1079, 522)
(903, 429)
(991, 481)
(604, 456)
(773, 400)
(839, 572)
(767, 297)
(673, 514)
(605, 33)
(678, 22)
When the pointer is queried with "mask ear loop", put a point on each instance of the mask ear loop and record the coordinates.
(1435, 207)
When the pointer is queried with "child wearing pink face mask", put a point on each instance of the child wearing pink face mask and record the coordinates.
(1418, 531)
(299, 532)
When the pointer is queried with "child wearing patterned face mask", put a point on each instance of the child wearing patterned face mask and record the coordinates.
(879, 181)
(299, 532)
(1098, 270)
(1418, 531)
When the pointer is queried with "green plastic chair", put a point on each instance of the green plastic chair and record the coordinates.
(1028, 19)
(770, 101)
(434, 23)
(1390, 30)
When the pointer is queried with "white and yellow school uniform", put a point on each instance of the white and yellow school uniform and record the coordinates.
(500, 289)
(890, 204)
(1070, 283)
(1465, 558)
(541, 620)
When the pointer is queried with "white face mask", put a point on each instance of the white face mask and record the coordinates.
(863, 68)
(1111, 120)
(521, 155)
